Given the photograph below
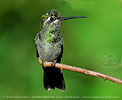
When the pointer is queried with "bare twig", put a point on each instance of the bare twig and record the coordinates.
(84, 71)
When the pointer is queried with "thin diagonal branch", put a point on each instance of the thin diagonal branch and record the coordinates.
(83, 71)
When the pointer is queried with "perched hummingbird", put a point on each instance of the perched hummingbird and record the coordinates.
(49, 47)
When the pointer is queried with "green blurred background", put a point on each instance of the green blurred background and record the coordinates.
(93, 43)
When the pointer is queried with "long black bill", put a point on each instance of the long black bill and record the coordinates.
(66, 18)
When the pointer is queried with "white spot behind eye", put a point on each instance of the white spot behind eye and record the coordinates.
(47, 20)
(54, 22)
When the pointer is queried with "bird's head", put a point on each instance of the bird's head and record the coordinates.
(53, 18)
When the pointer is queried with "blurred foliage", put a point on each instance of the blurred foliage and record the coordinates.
(87, 42)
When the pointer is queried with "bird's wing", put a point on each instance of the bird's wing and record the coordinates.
(36, 42)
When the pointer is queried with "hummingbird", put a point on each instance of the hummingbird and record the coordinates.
(49, 47)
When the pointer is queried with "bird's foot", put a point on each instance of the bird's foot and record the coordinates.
(53, 64)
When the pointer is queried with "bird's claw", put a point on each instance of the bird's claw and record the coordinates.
(53, 64)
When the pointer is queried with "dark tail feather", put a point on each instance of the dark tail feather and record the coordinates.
(53, 77)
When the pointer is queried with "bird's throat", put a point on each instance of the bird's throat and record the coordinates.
(50, 34)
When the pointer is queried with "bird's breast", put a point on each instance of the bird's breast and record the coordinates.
(50, 52)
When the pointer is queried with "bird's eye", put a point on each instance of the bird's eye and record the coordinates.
(51, 19)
